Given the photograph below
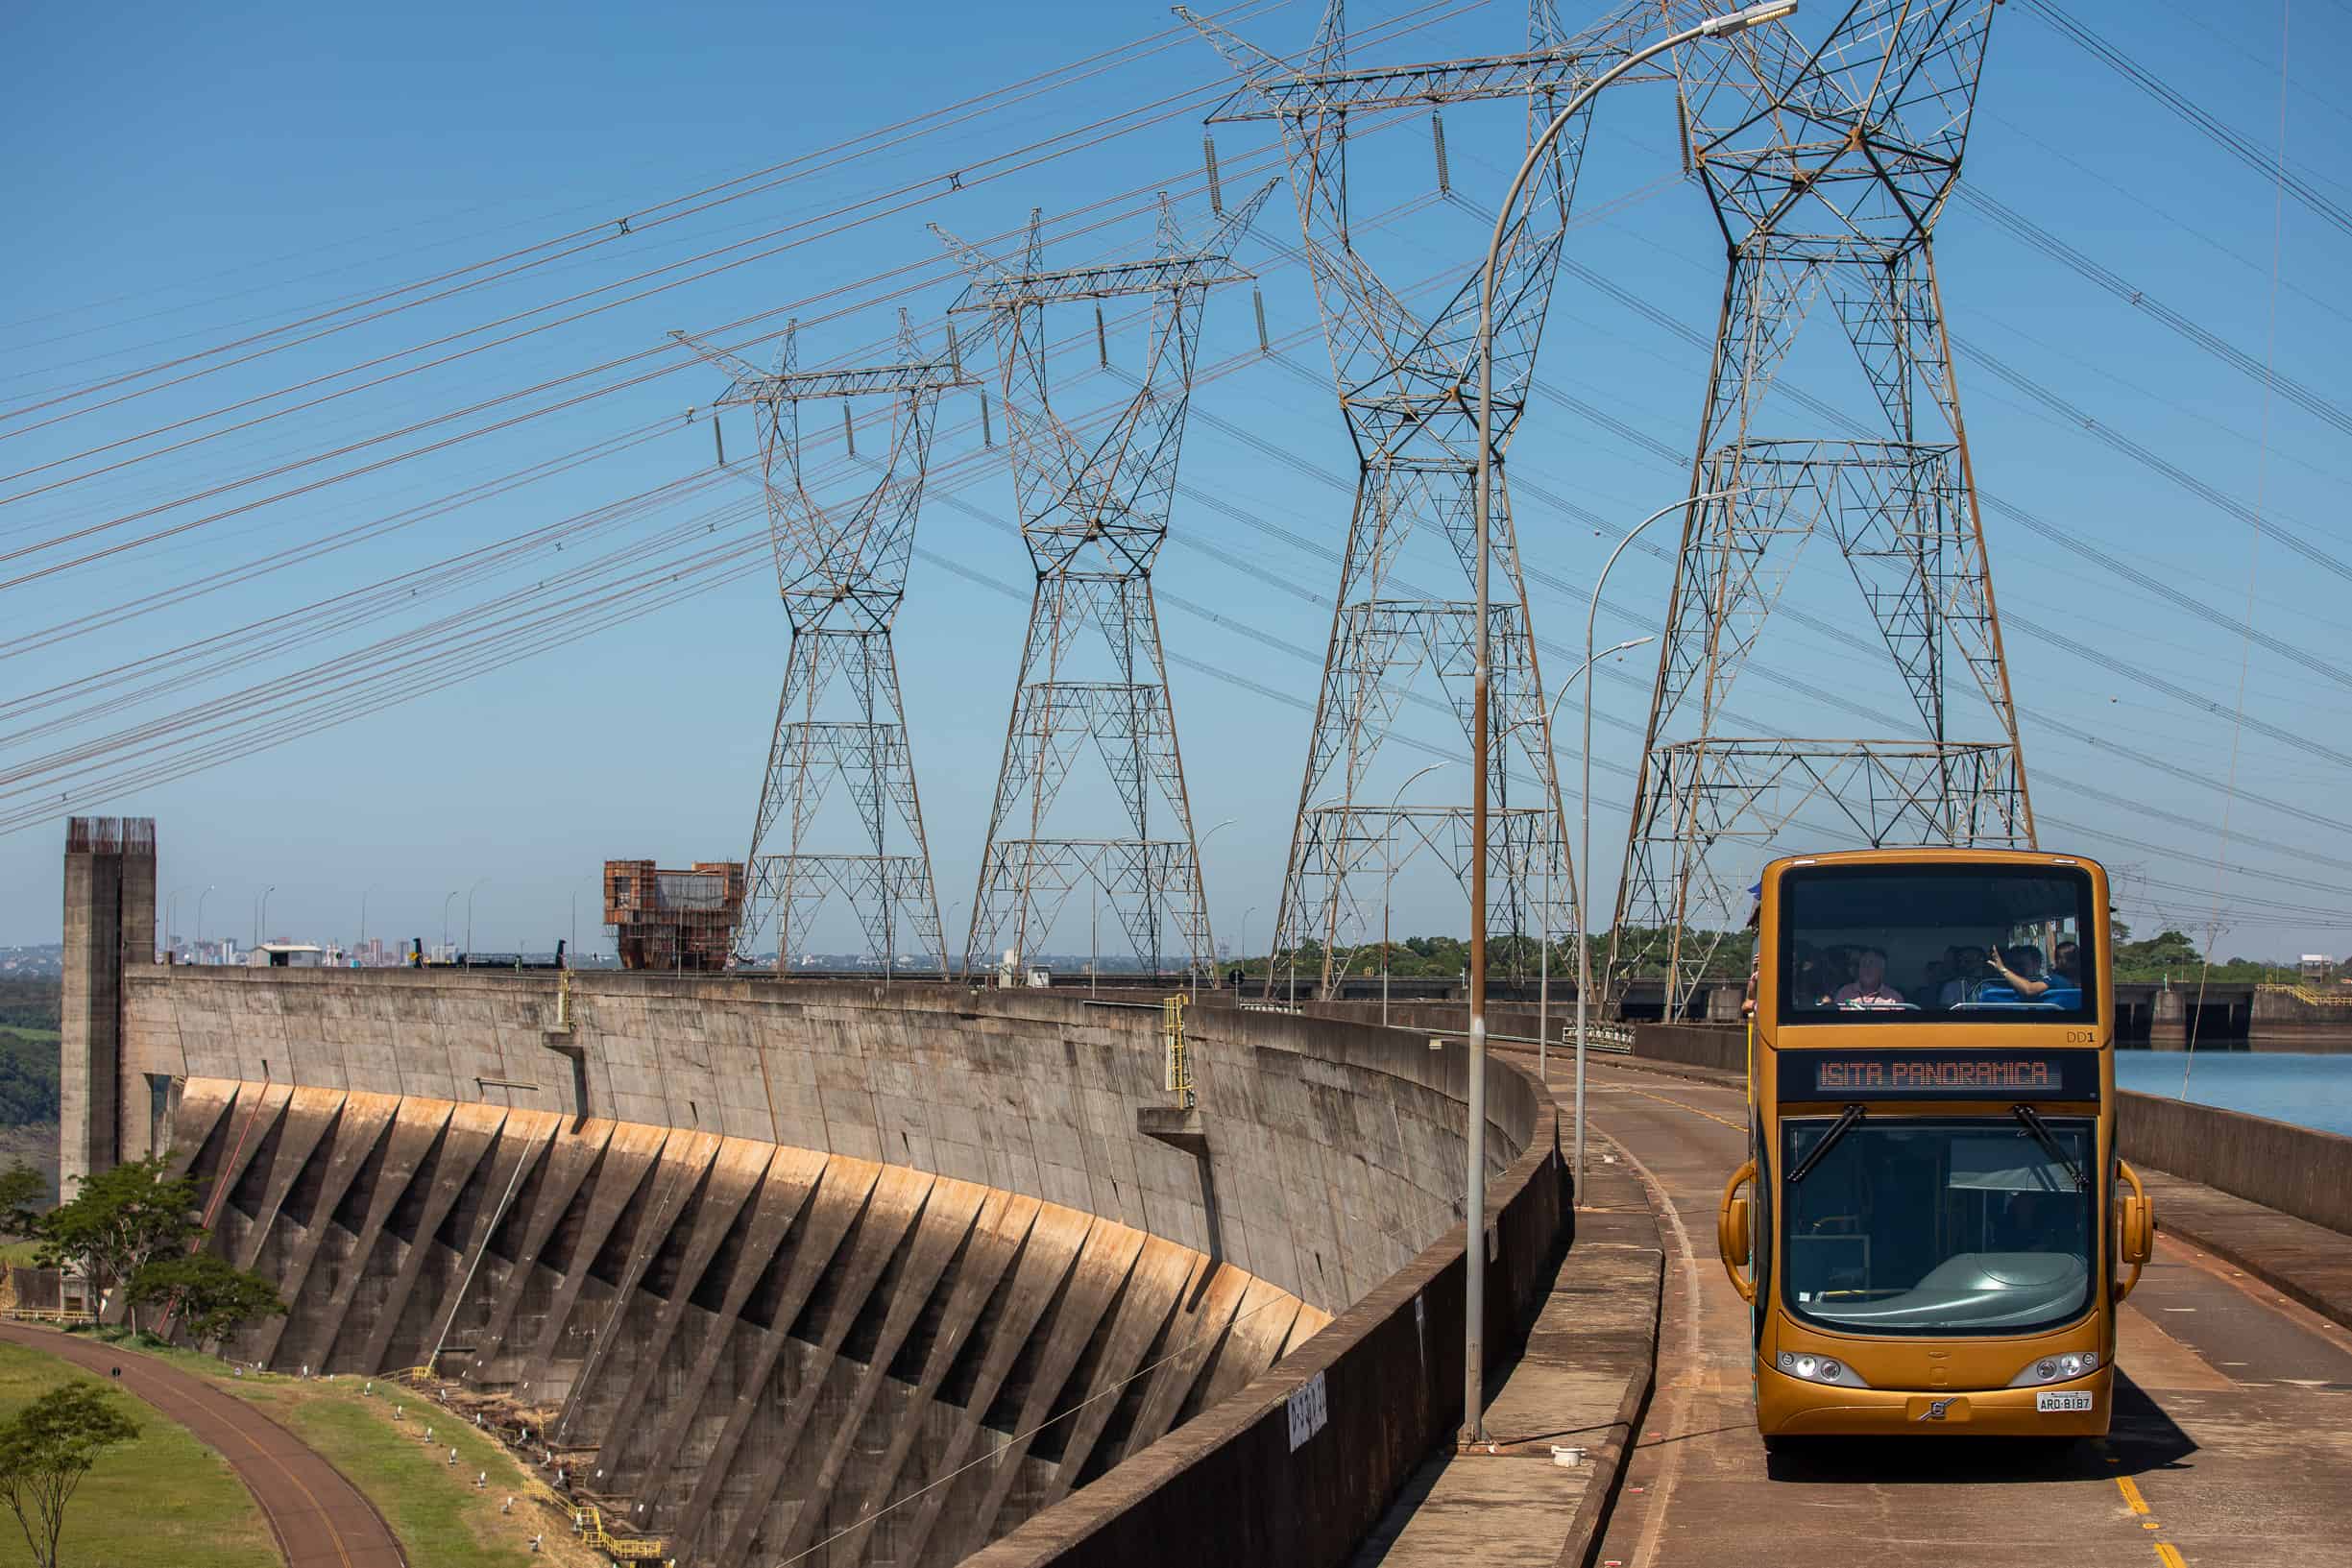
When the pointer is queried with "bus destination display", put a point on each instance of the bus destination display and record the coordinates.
(1941, 1075)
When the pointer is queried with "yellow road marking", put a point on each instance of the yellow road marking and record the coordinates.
(1664, 1099)
(2169, 1555)
(2131, 1494)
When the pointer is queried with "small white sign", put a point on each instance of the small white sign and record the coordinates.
(1309, 1411)
(2067, 1401)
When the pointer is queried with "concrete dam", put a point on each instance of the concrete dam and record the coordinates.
(877, 1277)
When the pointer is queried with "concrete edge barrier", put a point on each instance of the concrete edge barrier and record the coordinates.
(1607, 1455)
(1298, 1466)
(2296, 1171)
(2261, 1263)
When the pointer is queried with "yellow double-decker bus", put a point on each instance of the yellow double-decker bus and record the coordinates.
(1933, 1227)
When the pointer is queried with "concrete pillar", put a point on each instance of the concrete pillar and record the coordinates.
(110, 921)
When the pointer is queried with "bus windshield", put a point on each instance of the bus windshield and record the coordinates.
(1984, 943)
(1906, 1225)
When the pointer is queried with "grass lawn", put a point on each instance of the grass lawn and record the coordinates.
(163, 1499)
(430, 1503)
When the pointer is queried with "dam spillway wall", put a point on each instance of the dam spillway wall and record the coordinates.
(747, 1350)
(770, 1253)
(1335, 1149)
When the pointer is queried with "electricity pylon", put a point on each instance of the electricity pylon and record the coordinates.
(841, 569)
(1827, 169)
(1408, 389)
(1094, 509)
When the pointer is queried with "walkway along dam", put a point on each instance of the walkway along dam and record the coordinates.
(891, 1273)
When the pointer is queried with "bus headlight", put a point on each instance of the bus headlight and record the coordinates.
(2074, 1363)
(1818, 1369)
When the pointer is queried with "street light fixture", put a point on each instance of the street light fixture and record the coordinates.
(171, 918)
(1474, 1213)
(1544, 982)
(261, 912)
(1199, 856)
(200, 914)
(1583, 807)
(470, 892)
(1388, 880)
(445, 919)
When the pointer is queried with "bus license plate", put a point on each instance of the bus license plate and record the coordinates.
(2073, 1400)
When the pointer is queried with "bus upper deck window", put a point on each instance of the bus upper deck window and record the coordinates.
(1863, 943)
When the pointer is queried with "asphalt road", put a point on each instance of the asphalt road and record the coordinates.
(320, 1519)
(2232, 1440)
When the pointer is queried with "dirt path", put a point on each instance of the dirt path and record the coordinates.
(320, 1519)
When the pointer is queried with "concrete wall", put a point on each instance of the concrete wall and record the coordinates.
(778, 1252)
(1720, 1046)
(1335, 1149)
(2293, 1170)
(742, 1349)
(1238, 1486)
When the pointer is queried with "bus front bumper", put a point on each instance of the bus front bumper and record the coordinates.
(1786, 1406)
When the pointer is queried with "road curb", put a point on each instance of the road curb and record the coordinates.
(2333, 1309)
(1583, 1542)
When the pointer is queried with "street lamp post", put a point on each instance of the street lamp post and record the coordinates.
(1474, 1211)
(261, 911)
(1544, 982)
(470, 892)
(445, 919)
(200, 914)
(1200, 855)
(1388, 880)
(1269, 975)
(1584, 811)
(171, 918)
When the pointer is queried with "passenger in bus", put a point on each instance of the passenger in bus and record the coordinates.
(1965, 963)
(1869, 987)
(1930, 987)
(2022, 970)
(2066, 964)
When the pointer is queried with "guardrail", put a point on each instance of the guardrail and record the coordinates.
(589, 1524)
(64, 1316)
(2315, 998)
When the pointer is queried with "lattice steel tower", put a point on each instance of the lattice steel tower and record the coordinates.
(1409, 391)
(842, 567)
(1827, 170)
(1094, 509)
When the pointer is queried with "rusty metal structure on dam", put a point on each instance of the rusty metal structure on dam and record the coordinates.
(842, 572)
(1407, 391)
(1827, 168)
(1094, 506)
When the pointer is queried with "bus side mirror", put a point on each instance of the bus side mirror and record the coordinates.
(1734, 1231)
(2137, 1243)
(2135, 1227)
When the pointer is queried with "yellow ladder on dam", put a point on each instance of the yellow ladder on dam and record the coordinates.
(589, 1524)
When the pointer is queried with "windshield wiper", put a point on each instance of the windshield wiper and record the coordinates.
(1846, 1118)
(2042, 1135)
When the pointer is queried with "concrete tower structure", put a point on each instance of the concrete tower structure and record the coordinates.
(109, 922)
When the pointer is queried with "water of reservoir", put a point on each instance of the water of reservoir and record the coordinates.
(2310, 1091)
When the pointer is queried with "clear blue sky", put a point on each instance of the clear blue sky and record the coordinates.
(181, 179)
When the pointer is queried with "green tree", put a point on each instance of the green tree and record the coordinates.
(118, 1221)
(24, 1193)
(214, 1295)
(48, 1448)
